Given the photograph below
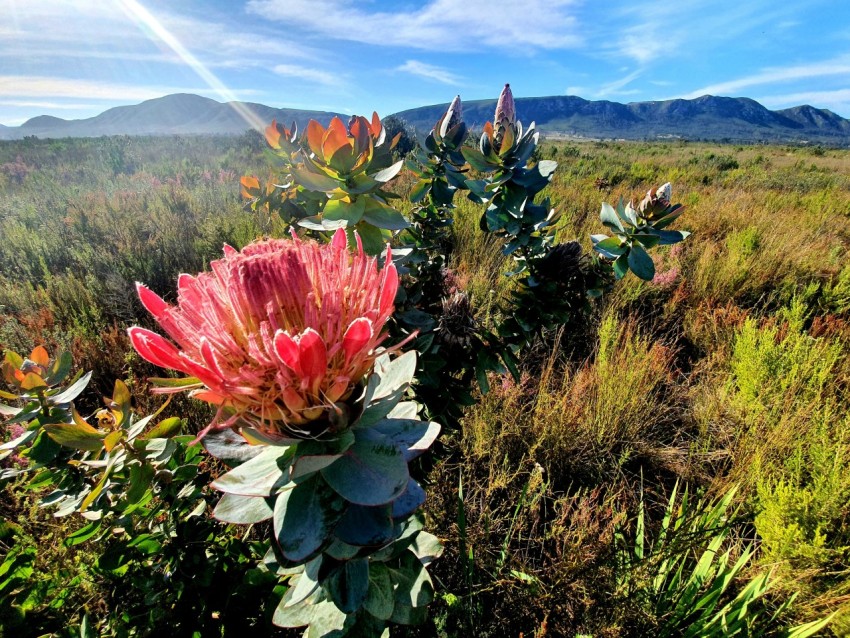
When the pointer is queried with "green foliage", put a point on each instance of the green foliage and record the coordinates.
(332, 178)
(690, 593)
(341, 506)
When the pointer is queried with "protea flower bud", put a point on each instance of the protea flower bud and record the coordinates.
(457, 324)
(656, 200)
(504, 118)
(452, 117)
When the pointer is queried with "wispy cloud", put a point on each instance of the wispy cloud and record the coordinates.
(776, 76)
(836, 100)
(658, 31)
(95, 29)
(615, 88)
(438, 24)
(316, 76)
(70, 106)
(611, 89)
(17, 86)
(429, 72)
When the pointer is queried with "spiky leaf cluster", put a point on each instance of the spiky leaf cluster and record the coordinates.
(509, 191)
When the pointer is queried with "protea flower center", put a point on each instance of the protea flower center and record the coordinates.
(278, 334)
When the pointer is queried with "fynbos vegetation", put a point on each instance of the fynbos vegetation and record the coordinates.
(642, 414)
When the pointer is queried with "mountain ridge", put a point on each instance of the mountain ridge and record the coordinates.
(706, 117)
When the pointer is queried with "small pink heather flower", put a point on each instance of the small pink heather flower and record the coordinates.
(504, 117)
(277, 333)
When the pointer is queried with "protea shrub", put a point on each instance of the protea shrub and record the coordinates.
(284, 337)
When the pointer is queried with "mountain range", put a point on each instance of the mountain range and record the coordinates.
(706, 118)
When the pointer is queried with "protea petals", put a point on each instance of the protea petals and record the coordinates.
(152, 302)
(359, 334)
(154, 349)
(275, 333)
(452, 116)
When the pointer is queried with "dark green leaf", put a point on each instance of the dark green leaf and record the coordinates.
(477, 160)
(362, 526)
(621, 266)
(384, 216)
(641, 263)
(349, 585)
(313, 181)
(410, 501)
(379, 600)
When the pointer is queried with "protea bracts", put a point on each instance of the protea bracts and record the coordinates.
(276, 335)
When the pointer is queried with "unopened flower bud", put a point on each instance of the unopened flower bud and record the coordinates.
(504, 117)
(452, 117)
(562, 263)
(656, 200)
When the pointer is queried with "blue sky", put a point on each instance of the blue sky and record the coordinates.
(76, 58)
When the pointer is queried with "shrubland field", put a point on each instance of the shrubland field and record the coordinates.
(725, 378)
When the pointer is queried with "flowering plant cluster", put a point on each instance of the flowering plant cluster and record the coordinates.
(296, 341)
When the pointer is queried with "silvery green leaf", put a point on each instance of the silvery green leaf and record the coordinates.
(305, 516)
(243, 510)
(373, 471)
(260, 476)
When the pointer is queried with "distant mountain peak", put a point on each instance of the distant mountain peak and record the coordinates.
(707, 117)
(175, 114)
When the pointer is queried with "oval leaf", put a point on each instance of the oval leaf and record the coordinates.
(243, 510)
(75, 435)
(304, 518)
(641, 263)
(260, 476)
(372, 472)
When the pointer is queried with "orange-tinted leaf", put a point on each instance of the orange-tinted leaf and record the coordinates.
(112, 439)
(315, 135)
(79, 420)
(376, 126)
(488, 129)
(335, 138)
(360, 130)
(249, 183)
(9, 371)
(31, 381)
(39, 356)
(120, 405)
(273, 135)
(395, 140)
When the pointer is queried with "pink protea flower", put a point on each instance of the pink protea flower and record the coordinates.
(276, 334)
